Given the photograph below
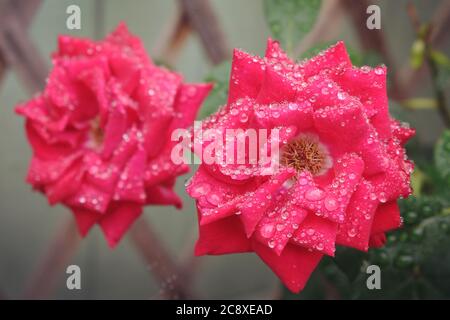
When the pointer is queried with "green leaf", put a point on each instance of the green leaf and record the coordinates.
(442, 155)
(443, 78)
(290, 20)
(370, 58)
(436, 270)
(443, 65)
(417, 181)
(349, 262)
(440, 58)
(419, 103)
(417, 54)
(219, 75)
(435, 184)
(316, 49)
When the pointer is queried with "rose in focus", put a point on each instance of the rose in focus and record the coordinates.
(342, 163)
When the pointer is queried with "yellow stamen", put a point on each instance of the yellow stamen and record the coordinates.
(304, 153)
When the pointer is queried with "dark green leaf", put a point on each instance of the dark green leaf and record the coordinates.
(358, 59)
(443, 64)
(219, 75)
(290, 20)
(440, 58)
(314, 50)
(349, 261)
(442, 155)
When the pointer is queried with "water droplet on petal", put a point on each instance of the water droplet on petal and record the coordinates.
(303, 181)
(267, 230)
(292, 106)
(351, 232)
(331, 204)
(200, 189)
(341, 95)
(243, 117)
(213, 198)
(379, 71)
(382, 197)
(314, 194)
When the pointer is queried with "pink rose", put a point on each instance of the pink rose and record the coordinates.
(100, 131)
(343, 165)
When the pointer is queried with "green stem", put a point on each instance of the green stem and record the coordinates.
(423, 32)
(438, 92)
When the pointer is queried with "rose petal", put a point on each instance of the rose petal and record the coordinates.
(387, 217)
(355, 231)
(293, 266)
(256, 204)
(247, 74)
(85, 219)
(222, 237)
(116, 221)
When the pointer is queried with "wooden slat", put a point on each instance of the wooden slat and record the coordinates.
(54, 263)
(173, 38)
(3, 68)
(162, 266)
(21, 54)
(24, 10)
(204, 21)
(374, 40)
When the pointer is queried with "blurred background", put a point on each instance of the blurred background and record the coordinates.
(28, 224)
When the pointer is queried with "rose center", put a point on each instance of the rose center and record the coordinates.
(306, 153)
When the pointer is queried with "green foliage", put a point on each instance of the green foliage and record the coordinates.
(314, 50)
(219, 76)
(440, 58)
(369, 58)
(442, 156)
(290, 20)
(443, 67)
(417, 54)
(420, 52)
(419, 103)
